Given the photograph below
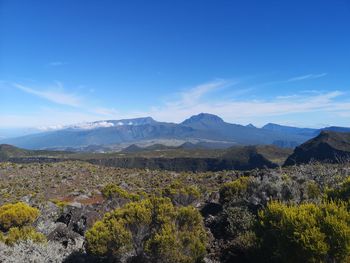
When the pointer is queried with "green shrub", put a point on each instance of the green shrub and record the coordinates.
(313, 190)
(115, 191)
(17, 215)
(306, 232)
(108, 237)
(16, 234)
(153, 229)
(234, 190)
(241, 249)
(61, 204)
(2, 237)
(342, 192)
(181, 194)
(238, 220)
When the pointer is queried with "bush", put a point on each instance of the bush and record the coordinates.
(238, 220)
(17, 215)
(234, 190)
(313, 190)
(152, 230)
(241, 249)
(108, 237)
(16, 234)
(115, 191)
(305, 233)
(61, 204)
(181, 194)
(342, 192)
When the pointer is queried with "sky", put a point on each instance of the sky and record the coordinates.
(64, 62)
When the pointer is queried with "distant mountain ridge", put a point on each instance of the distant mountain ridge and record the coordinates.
(203, 128)
(328, 146)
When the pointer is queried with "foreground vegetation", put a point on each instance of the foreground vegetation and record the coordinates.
(79, 212)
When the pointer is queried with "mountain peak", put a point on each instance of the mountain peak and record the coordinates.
(270, 126)
(250, 125)
(203, 118)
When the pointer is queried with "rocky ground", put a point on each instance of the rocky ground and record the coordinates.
(69, 197)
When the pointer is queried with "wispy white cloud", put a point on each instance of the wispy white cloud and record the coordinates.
(245, 111)
(307, 77)
(293, 79)
(54, 94)
(193, 95)
(240, 110)
(327, 106)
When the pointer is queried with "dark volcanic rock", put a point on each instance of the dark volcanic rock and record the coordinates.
(66, 225)
(64, 235)
(329, 146)
(78, 219)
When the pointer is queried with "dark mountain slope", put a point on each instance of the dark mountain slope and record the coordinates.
(214, 127)
(101, 136)
(290, 130)
(328, 146)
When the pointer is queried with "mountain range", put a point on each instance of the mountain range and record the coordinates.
(206, 130)
(327, 147)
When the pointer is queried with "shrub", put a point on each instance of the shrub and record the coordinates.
(305, 233)
(238, 220)
(234, 190)
(313, 190)
(342, 192)
(115, 191)
(16, 234)
(181, 194)
(17, 215)
(61, 204)
(108, 237)
(152, 230)
(241, 249)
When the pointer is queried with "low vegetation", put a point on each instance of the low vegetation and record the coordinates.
(17, 215)
(15, 223)
(153, 230)
(292, 214)
(305, 232)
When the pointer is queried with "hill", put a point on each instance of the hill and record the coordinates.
(328, 146)
(8, 151)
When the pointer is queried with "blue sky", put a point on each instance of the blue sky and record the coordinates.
(64, 62)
